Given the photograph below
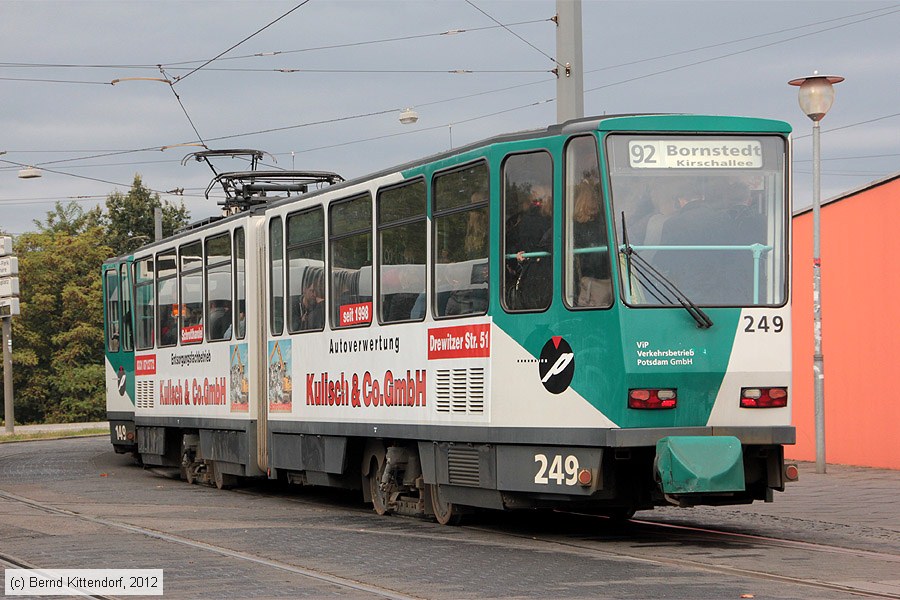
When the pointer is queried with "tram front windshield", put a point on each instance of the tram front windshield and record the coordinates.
(704, 215)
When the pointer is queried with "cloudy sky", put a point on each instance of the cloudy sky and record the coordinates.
(322, 88)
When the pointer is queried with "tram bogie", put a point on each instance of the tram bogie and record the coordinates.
(592, 316)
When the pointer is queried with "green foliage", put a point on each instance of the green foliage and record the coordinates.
(129, 218)
(58, 344)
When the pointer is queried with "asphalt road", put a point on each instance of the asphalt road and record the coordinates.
(75, 504)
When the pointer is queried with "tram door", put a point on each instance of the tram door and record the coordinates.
(119, 333)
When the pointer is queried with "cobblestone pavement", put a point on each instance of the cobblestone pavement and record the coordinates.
(531, 555)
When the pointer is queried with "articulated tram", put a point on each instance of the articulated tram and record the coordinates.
(593, 315)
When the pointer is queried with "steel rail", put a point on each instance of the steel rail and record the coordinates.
(236, 554)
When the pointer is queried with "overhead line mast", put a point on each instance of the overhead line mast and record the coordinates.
(569, 55)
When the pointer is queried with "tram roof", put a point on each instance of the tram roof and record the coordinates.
(622, 121)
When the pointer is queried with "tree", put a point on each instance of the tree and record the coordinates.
(129, 218)
(58, 350)
(59, 372)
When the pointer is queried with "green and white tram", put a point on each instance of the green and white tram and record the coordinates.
(595, 315)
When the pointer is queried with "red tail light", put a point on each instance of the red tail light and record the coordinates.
(652, 399)
(775, 397)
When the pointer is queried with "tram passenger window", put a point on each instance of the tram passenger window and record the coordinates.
(350, 245)
(167, 298)
(112, 310)
(587, 278)
(402, 253)
(461, 241)
(306, 270)
(218, 287)
(127, 316)
(191, 283)
(240, 284)
(528, 231)
(143, 303)
(276, 275)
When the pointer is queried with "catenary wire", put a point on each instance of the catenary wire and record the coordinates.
(258, 31)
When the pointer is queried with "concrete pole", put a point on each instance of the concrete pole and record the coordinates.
(7, 376)
(569, 53)
(818, 357)
(157, 224)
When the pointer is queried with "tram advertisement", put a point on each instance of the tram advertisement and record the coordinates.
(201, 382)
(399, 377)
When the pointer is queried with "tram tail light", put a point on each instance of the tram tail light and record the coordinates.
(650, 399)
(774, 397)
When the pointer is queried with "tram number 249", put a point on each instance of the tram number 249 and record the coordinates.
(557, 469)
(763, 324)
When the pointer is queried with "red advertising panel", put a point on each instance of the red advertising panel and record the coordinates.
(355, 314)
(462, 341)
(192, 334)
(145, 364)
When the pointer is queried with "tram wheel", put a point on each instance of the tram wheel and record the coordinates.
(445, 513)
(379, 497)
(223, 481)
(187, 474)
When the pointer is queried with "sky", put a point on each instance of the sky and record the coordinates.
(322, 85)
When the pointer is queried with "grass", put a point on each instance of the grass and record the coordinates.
(51, 435)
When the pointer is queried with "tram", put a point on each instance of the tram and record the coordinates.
(592, 315)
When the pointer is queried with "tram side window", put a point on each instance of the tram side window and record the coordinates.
(528, 231)
(167, 298)
(143, 303)
(240, 284)
(127, 315)
(587, 278)
(350, 246)
(191, 278)
(112, 310)
(402, 253)
(306, 270)
(461, 241)
(218, 287)
(276, 276)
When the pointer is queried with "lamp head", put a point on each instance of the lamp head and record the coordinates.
(409, 116)
(816, 94)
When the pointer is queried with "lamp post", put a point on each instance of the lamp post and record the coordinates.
(816, 97)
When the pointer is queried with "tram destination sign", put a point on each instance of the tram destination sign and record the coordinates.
(695, 154)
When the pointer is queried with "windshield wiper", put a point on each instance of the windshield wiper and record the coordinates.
(653, 280)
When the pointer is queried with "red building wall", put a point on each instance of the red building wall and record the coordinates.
(860, 249)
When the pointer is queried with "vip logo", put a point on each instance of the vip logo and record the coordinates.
(557, 365)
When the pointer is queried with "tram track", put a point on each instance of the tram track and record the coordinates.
(320, 576)
(11, 562)
(656, 528)
(666, 531)
(562, 532)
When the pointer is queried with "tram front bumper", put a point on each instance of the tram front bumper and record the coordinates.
(700, 464)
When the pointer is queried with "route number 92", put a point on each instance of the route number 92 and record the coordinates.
(558, 469)
(763, 324)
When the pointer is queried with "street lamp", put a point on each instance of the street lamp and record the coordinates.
(409, 116)
(816, 97)
(30, 173)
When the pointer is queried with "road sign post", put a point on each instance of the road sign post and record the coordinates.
(9, 307)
